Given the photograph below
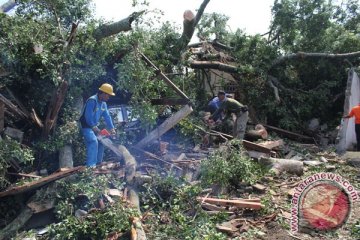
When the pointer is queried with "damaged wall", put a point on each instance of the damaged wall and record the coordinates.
(347, 137)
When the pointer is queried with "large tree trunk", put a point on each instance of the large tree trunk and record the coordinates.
(54, 108)
(190, 22)
(165, 126)
(123, 25)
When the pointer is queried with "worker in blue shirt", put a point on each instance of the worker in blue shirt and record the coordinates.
(95, 108)
(214, 104)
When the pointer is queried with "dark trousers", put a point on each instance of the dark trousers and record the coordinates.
(357, 131)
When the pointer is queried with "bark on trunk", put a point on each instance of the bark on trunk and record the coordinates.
(190, 22)
(213, 65)
(278, 165)
(303, 55)
(123, 25)
(166, 126)
(54, 108)
(66, 157)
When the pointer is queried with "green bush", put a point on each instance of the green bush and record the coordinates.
(12, 150)
(229, 168)
(174, 212)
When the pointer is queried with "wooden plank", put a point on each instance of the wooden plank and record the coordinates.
(169, 101)
(237, 203)
(41, 182)
(165, 126)
(288, 134)
(272, 144)
(12, 107)
(2, 115)
(256, 147)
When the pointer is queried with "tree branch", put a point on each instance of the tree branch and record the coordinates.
(213, 65)
(190, 22)
(124, 25)
(303, 55)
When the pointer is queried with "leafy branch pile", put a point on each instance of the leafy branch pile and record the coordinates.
(228, 168)
(83, 193)
(171, 209)
(11, 150)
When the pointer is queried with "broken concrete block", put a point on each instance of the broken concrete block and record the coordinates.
(80, 213)
(14, 133)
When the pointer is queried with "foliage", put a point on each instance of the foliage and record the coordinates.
(175, 213)
(97, 225)
(355, 230)
(11, 150)
(213, 26)
(228, 168)
(83, 193)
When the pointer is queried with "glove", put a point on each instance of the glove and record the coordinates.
(113, 131)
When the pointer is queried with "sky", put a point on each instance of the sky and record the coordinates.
(252, 16)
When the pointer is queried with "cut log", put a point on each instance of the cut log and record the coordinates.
(130, 164)
(137, 231)
(166, 126)
(243, 203)
(41, 182)
(290, 135)
(279, 165)
(189, 23)
(253, 135)
(110, 145)
(66, 157)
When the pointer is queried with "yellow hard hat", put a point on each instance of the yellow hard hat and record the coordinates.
(107, 88)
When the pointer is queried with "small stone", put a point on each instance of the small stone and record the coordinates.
(43, 172)
(330, 167)
(80, 213)
(323, 159)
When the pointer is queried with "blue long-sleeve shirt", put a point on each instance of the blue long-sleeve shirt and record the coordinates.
(94, 110)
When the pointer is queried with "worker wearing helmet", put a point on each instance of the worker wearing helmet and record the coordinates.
(95, 108)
